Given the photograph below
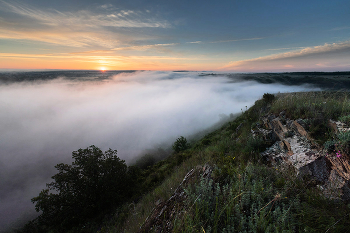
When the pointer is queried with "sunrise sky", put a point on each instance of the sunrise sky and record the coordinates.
(227, 35)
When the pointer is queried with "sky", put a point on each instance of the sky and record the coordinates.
(226, 35)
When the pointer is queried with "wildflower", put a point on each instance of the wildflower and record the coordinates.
(338, 154)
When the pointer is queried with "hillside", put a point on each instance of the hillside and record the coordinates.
(281, 166)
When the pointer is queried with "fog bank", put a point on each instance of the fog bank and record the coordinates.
(42, 122)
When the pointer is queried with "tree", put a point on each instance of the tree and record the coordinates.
(94, 184)
(268, 98)
(180, 144)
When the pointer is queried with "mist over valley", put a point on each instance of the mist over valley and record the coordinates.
(47, 115)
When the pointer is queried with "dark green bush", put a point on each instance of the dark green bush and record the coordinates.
(180, 144)
(94, 184)
(268, 98)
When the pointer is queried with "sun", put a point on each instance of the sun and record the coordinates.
(103, 69)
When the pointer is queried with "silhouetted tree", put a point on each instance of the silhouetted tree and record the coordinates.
(94, 184)
(180, 144)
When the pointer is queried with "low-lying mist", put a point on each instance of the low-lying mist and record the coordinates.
(42, 122)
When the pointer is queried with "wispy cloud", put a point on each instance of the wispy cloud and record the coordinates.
(223, 41)
(77, 29)
(340, 28)
(145, 47)
(314, 55)
(286, 48)
(85, 18)
(195, 42)
(93, 52)
(226, 41)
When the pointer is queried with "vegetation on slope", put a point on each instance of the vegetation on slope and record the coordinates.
(245, 193)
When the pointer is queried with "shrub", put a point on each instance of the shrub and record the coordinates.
(94, 184)
(268, 98)
(329, 145)
(180, 144)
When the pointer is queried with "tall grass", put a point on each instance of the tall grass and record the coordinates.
(331, 105)
(249, 202)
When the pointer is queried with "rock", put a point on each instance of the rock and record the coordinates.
(161, 217)
(301, 122)
(336, 187)
(295, 146)
(158, 201)
(237, 130)
(239, 127)
(278, 128)
(333, 125)
(300, 129)
(320, 169)
(267, 120)
(287, 147)
(207, 170)
(338, 126)
(346, 191)
(302, 152)
(282, 114)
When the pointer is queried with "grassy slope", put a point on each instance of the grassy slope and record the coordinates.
(246, 194)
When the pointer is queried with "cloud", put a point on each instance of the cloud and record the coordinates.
(85, 18)
(145, 47)
(335, 54)
(340, 28)
(93, 52)
(226, 41)
(107, 6)
(287, 48)
(77, 29)
(195, 42)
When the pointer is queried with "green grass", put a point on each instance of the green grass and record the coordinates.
(245, 194)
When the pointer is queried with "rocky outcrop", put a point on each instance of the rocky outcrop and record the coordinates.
(163, 214)
(294, 146)
(338, 126)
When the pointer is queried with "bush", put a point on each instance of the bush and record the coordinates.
(329, 145)
(180, 144)
(94, 184)
(268, 98)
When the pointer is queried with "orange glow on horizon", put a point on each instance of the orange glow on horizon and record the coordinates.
(82, 62)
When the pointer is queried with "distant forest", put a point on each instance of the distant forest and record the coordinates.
(323, 80)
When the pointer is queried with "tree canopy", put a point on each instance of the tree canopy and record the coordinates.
(180, 144)
(95, 183)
